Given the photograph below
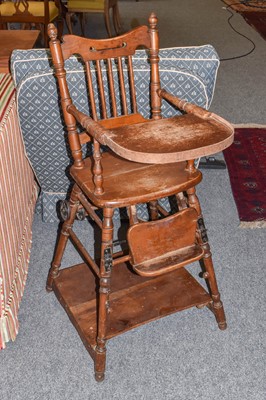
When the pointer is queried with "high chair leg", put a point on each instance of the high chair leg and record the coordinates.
(63, 238)
(154, 210)
(209, 275)
(104, 291)
(217, 305)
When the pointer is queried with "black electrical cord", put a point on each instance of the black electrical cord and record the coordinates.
(239, 33)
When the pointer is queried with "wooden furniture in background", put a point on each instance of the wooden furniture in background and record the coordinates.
(82, 7)
(15, 39)
(28, 13)
(148, 160)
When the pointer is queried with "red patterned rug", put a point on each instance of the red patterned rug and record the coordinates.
(246, 163)
(253, 11)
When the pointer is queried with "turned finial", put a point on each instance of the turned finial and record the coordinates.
(153, 20)
(52, 32)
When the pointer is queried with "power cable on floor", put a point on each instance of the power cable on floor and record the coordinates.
(239, 33)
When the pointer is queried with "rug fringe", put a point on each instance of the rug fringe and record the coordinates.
(252, 224)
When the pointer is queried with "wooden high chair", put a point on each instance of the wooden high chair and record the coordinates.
(147, 160)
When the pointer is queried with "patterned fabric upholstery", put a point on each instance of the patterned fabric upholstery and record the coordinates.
(189, 73)
(17, 202)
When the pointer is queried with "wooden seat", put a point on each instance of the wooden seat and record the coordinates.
(28, 13)
(104, 7)
(157, 182)
(147, 159)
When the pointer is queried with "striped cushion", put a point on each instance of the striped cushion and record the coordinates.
(7, 91)
(17, 202)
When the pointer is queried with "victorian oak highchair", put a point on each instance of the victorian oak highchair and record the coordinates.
(146, 160)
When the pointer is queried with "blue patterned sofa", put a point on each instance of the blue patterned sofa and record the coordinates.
(188, 72)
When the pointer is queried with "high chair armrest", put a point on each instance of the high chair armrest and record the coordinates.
(184, 105)
(93, 128)
(189, 108)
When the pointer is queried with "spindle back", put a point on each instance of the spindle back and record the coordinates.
(109, 77)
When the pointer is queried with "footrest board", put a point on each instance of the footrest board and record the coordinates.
(134, 300)
(158, 247)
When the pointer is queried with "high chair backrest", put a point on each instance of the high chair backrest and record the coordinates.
(109, 77)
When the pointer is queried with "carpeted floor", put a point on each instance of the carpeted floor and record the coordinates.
(246, 163)
(183, 356)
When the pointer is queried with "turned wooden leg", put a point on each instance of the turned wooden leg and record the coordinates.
(181, 201)
(209, 275)
(104, 291)
(63, 238)
(154, 210)
(97, 169)
(133, 215)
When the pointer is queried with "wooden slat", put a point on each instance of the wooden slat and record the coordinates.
(112, 87)
(101, 89)
(122, 86)
(132, 85)
(91, 92)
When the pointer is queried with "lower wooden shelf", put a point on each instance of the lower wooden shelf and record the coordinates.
(134, 300)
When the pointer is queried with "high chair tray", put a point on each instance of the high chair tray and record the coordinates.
(134, 300)
(169, 140)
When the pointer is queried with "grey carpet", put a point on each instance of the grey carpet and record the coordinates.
(183, 356)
